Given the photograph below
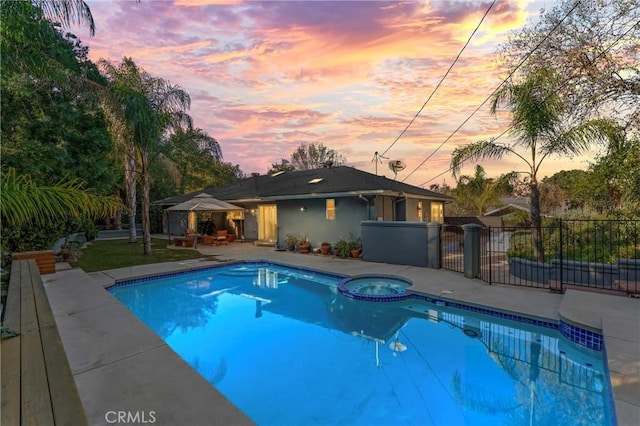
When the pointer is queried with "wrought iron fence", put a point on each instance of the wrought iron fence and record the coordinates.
(597, 254)
(451, 248)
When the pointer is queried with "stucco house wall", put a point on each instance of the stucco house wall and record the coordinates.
(308, 218)
(384, 208)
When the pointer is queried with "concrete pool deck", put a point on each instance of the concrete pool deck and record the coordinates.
(120, 365)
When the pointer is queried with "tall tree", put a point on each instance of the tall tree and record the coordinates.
(145, 111)
(30, 27)
(594, 45)
(308, 157)
(49, 129)
(283, 166)
(198, 158)
(537, 129)
(568, 187)
(614, 180)
(313, 156)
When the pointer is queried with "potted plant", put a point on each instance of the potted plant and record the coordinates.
(304, 245)
(69, 252)
(325, 247)
(342, 248)
(291, 241)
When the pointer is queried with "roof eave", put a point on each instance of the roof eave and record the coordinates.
(368, 192)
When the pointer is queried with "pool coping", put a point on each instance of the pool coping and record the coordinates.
(622, 349)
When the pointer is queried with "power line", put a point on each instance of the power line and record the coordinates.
(441, 80)
(561, 85)
(494, 90)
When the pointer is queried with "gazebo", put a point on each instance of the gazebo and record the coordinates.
(204, 203)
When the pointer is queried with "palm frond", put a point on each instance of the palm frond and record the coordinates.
(477, 151)
(580, 138)
(23, 202)
(68, 12)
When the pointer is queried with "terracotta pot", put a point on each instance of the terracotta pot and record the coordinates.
(324, 249)
(304, 248)
(356, 253)
(69, 257)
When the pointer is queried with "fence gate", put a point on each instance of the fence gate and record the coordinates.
(452, 248)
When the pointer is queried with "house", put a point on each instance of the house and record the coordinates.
(323, 204)
(509, 205)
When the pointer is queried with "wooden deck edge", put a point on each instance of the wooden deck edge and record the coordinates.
(37, 383)
(10, 346)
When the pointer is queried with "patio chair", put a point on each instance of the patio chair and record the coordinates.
(221, 237)
(190, 237)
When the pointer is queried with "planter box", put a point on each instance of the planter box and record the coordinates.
(529, 270)
(629, 275)
(45, 259)
(586, 274)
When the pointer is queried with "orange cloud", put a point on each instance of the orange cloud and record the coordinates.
(347, 74)
(171, 49)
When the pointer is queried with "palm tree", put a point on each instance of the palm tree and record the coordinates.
(538, 128)
(23, 202)
(142, 110)
(197, 156)
(482, 192)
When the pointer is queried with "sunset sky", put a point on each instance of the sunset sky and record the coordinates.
(266, 76)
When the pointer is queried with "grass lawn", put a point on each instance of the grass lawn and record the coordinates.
(111, 254)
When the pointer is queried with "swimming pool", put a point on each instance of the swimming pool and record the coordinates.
(288, 349)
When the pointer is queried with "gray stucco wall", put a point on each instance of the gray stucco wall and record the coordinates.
(177, 222)
(383, 208)
(312, 222)
(399, 243)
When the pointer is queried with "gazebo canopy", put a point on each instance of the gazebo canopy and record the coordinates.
(204, 202)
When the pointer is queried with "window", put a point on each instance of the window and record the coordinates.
(420, 217)
(437, 212)
(331, 209)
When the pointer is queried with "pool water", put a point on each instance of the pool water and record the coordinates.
(288, 349)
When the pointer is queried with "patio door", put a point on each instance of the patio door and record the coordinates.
(267, 222)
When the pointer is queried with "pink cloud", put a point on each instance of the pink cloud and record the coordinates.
(267, 76)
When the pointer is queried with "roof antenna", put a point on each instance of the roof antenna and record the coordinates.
(377, 158)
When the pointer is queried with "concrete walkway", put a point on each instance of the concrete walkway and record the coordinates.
(121, 365)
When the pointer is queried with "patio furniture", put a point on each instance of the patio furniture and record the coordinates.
(184, 241)
(221, 237)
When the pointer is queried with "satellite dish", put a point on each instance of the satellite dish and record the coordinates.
(397, 166)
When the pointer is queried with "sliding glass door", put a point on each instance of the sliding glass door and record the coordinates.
(267, 222)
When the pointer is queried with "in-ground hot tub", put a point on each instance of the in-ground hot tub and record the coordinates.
(378, 288)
